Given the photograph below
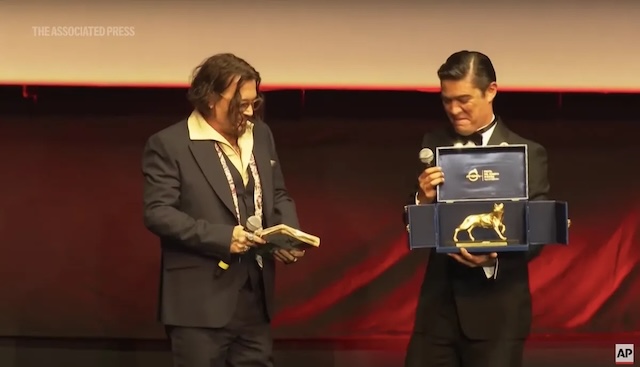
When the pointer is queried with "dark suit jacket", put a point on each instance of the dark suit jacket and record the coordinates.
(188, 204)
(487, 308)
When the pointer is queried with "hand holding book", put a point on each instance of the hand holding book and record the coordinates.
(282, 236)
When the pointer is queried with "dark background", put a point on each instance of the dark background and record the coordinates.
(77, 261)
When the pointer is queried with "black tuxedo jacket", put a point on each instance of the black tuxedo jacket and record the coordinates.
(497, 308)
(188, 204)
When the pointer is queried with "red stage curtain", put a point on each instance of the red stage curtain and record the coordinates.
(77, 260)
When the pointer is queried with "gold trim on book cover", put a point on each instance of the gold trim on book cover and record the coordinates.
(291, 232)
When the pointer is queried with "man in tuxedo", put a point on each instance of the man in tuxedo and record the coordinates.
(203, 178)
(473, 310)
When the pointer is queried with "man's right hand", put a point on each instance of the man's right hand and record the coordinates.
(428, 180)
(241, 241)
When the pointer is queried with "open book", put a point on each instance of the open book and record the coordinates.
(286, 237)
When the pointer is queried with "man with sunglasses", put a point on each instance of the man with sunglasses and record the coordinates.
(204, 177)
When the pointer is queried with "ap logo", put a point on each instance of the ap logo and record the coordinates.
(624, 353)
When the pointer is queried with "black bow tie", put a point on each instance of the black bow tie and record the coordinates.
(475, 138)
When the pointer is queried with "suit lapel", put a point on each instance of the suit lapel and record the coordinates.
(205, 155)
(263, 161)
(500, 134)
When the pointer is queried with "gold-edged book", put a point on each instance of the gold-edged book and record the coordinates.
(298, 237)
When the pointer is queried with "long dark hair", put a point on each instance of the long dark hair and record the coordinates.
(213, 76)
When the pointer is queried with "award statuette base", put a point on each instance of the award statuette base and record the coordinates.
(481, 244)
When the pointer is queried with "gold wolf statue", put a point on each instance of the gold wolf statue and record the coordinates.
(487, 220)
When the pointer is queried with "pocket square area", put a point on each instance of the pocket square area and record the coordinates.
(273, 163)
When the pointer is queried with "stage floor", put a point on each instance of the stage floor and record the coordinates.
(534, 357)
(43, 354)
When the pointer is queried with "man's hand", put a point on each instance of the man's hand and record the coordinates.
(428, 180)
(473, 261)
(288, 256)
(241, 241)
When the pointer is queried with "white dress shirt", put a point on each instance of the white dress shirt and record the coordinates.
(489, 271)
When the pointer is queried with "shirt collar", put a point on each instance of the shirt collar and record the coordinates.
(199, 129)
(486, 135)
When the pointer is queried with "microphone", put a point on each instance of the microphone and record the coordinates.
(426, 156)
(254, 224)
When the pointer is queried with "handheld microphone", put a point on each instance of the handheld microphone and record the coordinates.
(254, 224)
(426, 156)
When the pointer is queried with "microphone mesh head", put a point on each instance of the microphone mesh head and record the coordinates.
(426, 156)
(254, 223)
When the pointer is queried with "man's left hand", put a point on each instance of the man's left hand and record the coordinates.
(473, 261)
(288, 256)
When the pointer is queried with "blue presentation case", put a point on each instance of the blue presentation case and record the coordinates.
(484, 205)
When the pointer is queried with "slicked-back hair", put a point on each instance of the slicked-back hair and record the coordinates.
(464, 63)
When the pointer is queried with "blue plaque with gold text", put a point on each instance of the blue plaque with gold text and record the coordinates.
(483, 173)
